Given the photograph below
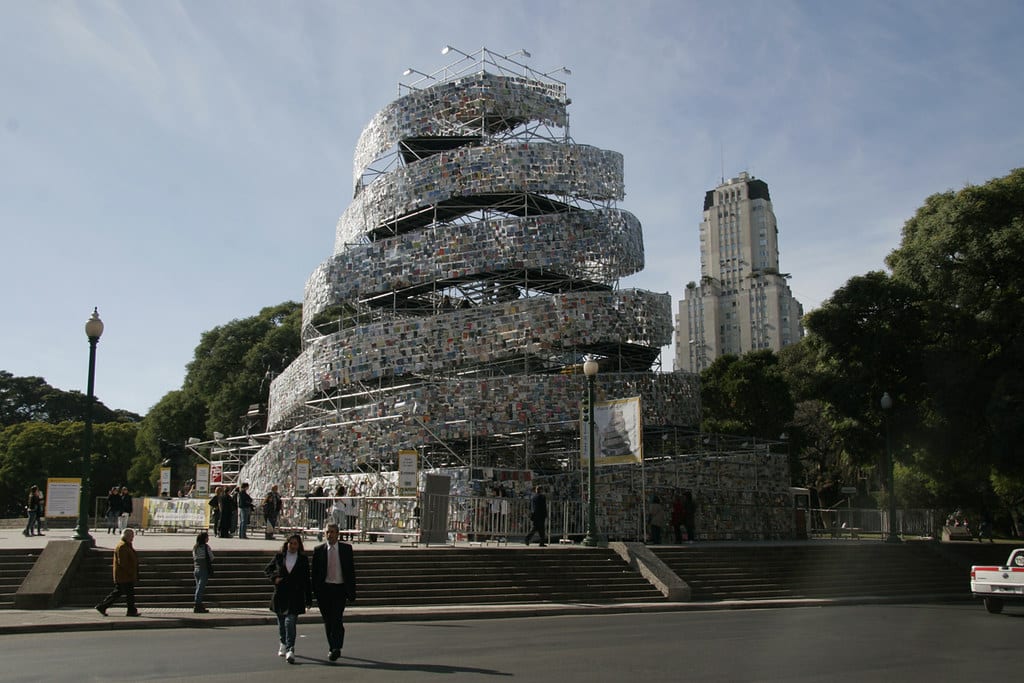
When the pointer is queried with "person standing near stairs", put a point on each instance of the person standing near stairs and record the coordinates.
(126, 510)
(126, 575)
(272, 506)
(202, 568)
(34, 506)
(538, 517)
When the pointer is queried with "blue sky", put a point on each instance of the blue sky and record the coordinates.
(183, 164)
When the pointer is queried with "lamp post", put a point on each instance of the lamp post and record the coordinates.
(893, 537)
(93, 330)
(591, 539)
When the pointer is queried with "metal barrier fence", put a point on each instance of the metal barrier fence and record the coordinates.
(368, 518)
(483, 519)
(836, 521)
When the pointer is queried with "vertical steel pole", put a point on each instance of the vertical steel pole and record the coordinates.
(82, 531)
(591, 537)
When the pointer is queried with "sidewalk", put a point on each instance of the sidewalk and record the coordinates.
(77, 619)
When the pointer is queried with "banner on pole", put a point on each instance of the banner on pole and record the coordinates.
(408, 472)
(165, 481)
(203, 480)
(216, 472)
(302, 476)
(618, 432)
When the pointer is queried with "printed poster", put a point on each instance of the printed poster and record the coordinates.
(408, 472)
(618, 433)
(62, 496)
(202, 480)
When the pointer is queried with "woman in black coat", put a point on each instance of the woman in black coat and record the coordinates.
(289, 572)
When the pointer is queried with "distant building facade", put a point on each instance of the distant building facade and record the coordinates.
(742, 302)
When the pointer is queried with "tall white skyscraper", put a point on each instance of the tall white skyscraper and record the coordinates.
(742, 302)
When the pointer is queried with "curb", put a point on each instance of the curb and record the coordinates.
(441, 613)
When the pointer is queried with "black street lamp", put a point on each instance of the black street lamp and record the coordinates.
(93, 330)
(591, 539)
(893, 537)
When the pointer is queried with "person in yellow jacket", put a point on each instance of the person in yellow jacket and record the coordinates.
(126, 574)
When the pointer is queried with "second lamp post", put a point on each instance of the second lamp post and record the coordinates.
(893, 537)
(93, 330)
(590, 370)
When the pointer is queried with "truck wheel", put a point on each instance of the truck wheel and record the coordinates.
(993, 605)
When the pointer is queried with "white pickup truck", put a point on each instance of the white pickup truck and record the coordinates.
(997, 585)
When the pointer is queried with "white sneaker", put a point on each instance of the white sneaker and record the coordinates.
(290, 657)
(281, 650)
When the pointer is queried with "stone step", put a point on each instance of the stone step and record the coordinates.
(473, 576)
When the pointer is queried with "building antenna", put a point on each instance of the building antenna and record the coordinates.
(722, 149)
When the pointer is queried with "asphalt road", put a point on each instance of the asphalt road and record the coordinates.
(859, 643)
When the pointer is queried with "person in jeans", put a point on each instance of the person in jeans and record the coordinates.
(272, 506)
(245, 508)
(34, 508)
(202, 561)
(289, 572)
(126, 575)
(126, 509)
(113, 508)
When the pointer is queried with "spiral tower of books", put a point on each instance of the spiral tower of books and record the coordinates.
(474, 271)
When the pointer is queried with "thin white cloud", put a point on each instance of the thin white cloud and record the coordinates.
(181, 164)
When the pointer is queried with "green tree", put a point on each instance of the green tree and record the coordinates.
(963, 252)
(746, 395)
(176, 417)
(233, 364)
(31, 399)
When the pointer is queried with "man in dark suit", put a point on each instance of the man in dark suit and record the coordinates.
(334, 584)
(539, 517)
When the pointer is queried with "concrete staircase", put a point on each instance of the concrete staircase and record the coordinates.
(841, 569)
(388, 578)
(15, 565)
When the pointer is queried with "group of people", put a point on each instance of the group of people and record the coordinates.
(231, 510)
(119, 509)
(35, 510)
(683, 513)
(330, 578)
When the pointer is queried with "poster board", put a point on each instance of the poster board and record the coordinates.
(301, 476)
(63, 495)
(408, 472)
(202, 480)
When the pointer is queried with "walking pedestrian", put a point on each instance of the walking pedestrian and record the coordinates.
(334, 584)
(289, 572)
(271, 509)
(126, 509)
(113, 508)
(245, 508)
(126, 575)
(539, 517)
(33, 508)
(202, 568)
